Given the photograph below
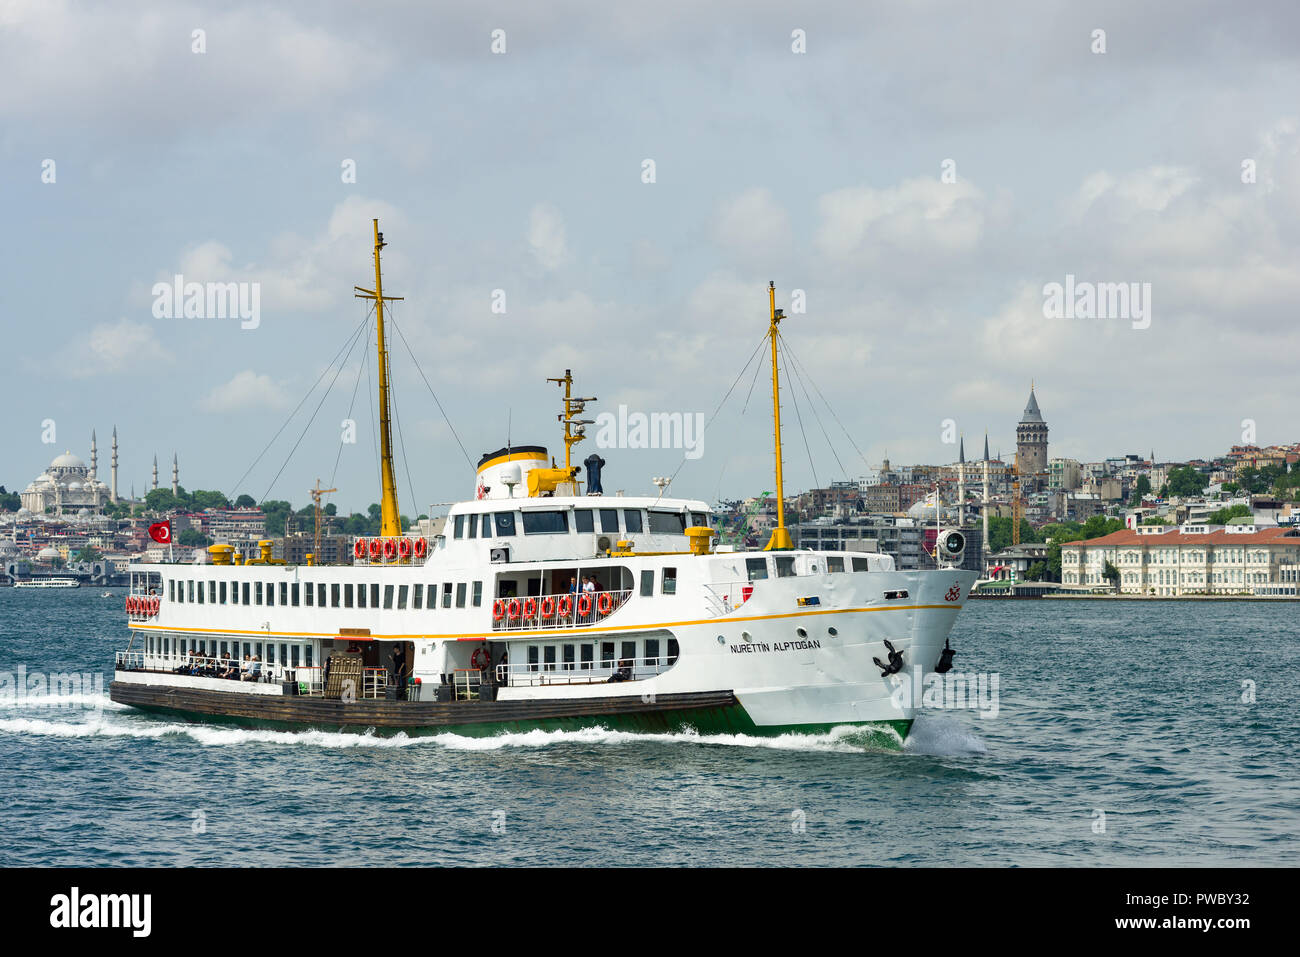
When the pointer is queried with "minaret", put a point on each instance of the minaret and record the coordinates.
(961, 483)
(155, 473)
(94, 456)
(113, 488)
(176, 476)
(986, 445)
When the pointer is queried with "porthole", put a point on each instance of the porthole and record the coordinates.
(801, 632)
(746, 636)
(721, 640)
(832, 632)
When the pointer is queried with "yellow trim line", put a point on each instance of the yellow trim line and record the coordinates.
(505, 635)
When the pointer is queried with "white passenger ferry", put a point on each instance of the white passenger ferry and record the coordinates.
(48, 583)
(543, 604)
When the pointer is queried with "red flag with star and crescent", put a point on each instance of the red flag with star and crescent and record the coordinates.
(161, 532)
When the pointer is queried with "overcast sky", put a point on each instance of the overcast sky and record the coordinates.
(523, 171)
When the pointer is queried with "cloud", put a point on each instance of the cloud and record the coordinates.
(122, 347)
(753, 225)
(246, 390)
(546, 236)
(918, 217)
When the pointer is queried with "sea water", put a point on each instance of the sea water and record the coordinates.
(1144, 733)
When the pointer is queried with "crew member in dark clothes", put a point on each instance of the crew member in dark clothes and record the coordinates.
(399, 669)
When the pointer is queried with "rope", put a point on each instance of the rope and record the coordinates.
(445, 417)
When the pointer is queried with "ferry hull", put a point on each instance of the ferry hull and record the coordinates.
(715, 712)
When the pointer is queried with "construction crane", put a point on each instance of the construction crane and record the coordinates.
(316, 493)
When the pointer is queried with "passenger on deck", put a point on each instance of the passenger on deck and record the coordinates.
(252, 669)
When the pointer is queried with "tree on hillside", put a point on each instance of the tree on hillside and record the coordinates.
(1142, 487)
(1111, 574)
(88, 554)
(1186, 481)
(245, 501)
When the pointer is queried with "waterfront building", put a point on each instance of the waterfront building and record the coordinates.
(1189, 560)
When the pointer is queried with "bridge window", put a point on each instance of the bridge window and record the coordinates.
(334, 596)
(347, 595)
(401, 595)
(546, 523)
(284, 593)
(374, 595)
(417, 596)
(446, 595)
(244, 589)
(609, 520)
(860, 564)
(785, 566)
(212, 593)
(477, 600)
(667, 523)
(222, 592)
(431, 596)
(583, 520)
(505, 522)
(270, 593)
(632, 518)
(471, 522)
(460, 595)
(756, 568)
(295, 592)
(309, 593)
(201, 590)
(699, 519)
(257, 593)
(669, 586)
(487, 525)
(460, 526)
(388, 596)
(361, 596)
(171, 589)
(320, 595)
(648, 582)
(190, 589)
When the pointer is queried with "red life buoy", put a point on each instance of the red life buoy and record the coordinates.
(480, 659)
(584, 605)
(513, 608)
(128, 604)
(530, 607)
(548, 606)
(605, 603)
(566, 606)
(390, 549)
(376, 546)
(404, 548)
(153, 605)
(498, 610)
(359, 548)
(421, 547)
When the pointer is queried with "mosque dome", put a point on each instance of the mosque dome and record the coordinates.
(67, 461)
(47, 553)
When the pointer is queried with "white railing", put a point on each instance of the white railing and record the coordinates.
(608, 671)
(722, 598)
(568, 610)
(206, 667)
(466, 683)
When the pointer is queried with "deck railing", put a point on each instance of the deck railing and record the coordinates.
(231, 669)
(722, 598)
(608, 671)
(567, 610)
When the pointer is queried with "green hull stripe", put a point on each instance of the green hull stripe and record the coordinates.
(705, 721)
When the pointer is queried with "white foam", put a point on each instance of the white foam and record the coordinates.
(846, 739)
(54, 702)
(942, 734)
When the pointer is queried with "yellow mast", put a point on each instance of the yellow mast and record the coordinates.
(573, 405)
(780, 537)
(390, 517)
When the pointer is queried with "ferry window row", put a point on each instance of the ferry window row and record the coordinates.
(557, 522)
(291, 654)
(321, 595)
(581, 656)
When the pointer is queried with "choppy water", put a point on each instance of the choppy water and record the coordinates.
(1129, 710)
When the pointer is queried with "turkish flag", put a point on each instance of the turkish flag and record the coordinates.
(161, 532)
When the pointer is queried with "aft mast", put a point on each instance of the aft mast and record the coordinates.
(780, 537)
(390, 517)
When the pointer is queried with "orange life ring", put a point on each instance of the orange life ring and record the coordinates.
(605, 603)
(376, 546)
(481, 659)
(566, 606)
(548, 606)
(513, 608)
(130, 604)
(530, 607)
(359, 548)
(404, 548)
(498, 610)
(390, 549)
(421, 547)
(584, 605)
